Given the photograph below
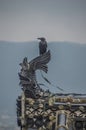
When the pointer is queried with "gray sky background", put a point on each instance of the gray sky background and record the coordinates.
(57, 20)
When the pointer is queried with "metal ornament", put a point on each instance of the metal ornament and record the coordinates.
(43, 110)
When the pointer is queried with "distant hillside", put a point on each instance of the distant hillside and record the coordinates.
(67, 69)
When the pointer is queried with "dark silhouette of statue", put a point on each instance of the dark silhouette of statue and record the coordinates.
(42, 45)
(28, 72)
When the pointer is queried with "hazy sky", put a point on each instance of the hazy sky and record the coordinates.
(57, 20)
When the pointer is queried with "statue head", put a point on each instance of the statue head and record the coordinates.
(25, 65)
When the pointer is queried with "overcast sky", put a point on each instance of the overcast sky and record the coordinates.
(57, 20)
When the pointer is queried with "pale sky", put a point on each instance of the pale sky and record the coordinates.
(57, 20)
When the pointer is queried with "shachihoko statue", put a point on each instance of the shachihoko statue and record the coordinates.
(43, 110)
